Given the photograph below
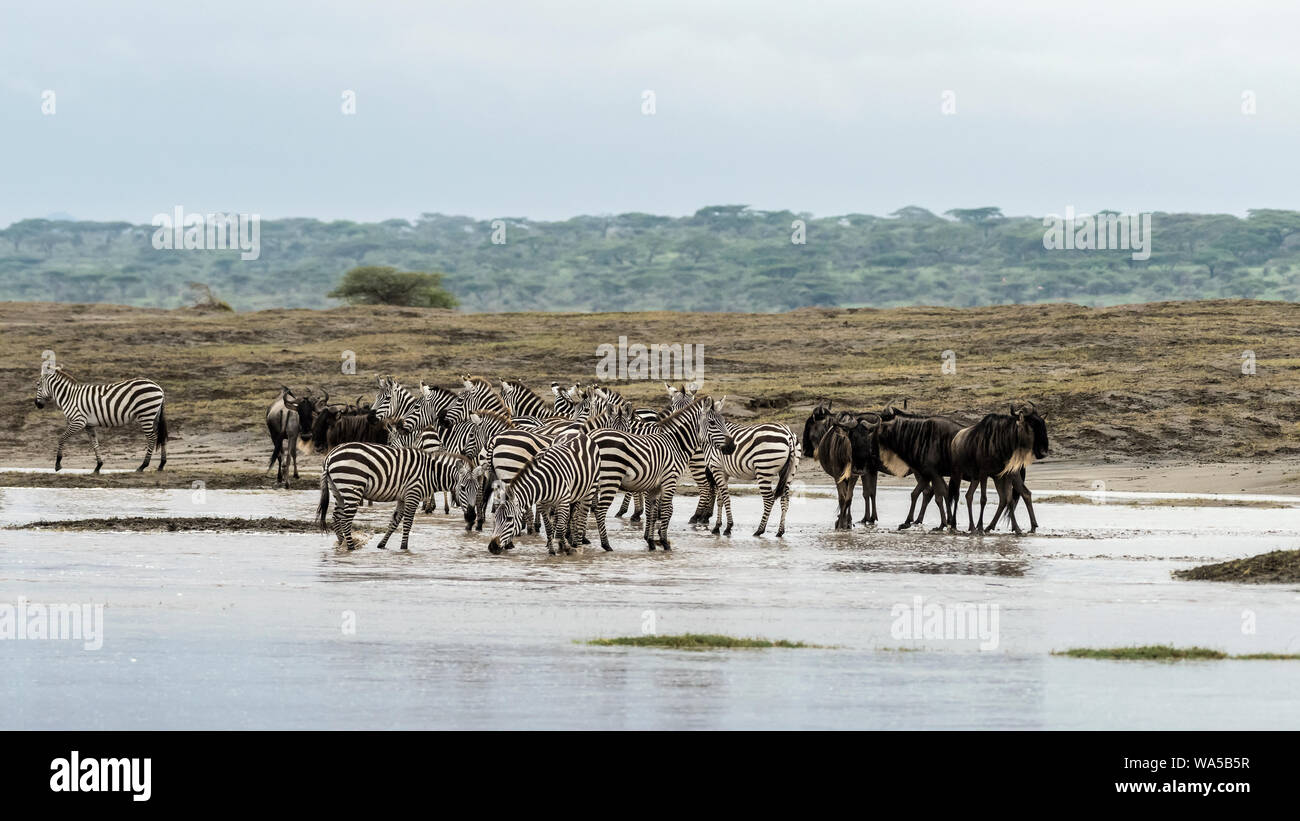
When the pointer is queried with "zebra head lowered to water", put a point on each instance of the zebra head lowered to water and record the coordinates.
(561, 481)
(90, 407)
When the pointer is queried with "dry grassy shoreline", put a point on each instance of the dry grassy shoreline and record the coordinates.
(1141, 388)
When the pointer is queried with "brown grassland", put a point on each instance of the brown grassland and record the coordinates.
(1142, 384)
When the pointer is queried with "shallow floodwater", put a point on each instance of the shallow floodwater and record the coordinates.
(271, 630)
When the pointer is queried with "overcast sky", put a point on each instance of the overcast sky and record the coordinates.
(535, 110)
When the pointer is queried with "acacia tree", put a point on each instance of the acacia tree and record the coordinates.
(385, 285)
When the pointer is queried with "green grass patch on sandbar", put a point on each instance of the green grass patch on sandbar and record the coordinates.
(1166, 652)
(694, 641)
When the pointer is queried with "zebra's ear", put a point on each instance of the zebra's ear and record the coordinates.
(476, 419)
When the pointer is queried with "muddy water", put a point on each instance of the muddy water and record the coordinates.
(213, 630)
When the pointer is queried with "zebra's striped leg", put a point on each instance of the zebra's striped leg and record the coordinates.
(398, 513)
(785, 507)
(724, 502)
(640, 507)
(93, 435)
(704, 507)
(627, 501)
(651, 519)
(74, 427)
(548, 522)
(344, 512)
(769, 497)
(664, 511)
(409, 519)
(604, 498)
(446, 502)
(151, 441)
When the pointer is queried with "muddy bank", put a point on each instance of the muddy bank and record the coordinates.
(222, 524)
(1280, 566)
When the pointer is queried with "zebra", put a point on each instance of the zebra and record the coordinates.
(677, 399)
(510, 452)
(477, 395)
(382, 473)
(561, 481)
(90, 407)
(651, 463)
(766, 453)
(569, 402)
(427, 440)
(522, 401)
(395, 402)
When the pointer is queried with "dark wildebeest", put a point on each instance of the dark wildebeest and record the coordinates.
(288, 420)
(845, 446)
(1000, 446)
(923, 446)
(826, 438)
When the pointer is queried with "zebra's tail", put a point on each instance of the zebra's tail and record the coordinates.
(324, 506)
(784, 478)
(162, 425)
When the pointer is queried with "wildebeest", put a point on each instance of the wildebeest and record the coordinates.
(287, 420)
(1000, 446)
(923, 446)
(339, 424)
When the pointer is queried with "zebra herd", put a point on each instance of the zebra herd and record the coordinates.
(552, 467)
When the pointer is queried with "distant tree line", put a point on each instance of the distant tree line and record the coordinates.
(722, 258)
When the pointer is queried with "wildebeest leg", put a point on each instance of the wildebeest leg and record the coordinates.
(1003, 487)
(275, 454)
(984, 495)
(1018, 483)
(941, 492)
(869, 497)
(293, 454)
(920, 488)
(844, 493)
(970, 507)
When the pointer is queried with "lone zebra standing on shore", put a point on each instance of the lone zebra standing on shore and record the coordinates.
(90, 407)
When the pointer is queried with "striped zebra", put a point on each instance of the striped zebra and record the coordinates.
(427, 440)
(651, 463)
(382, 473)
(511, 451)
(677, 399)
(477, 395)
(764, 453)
(561, 481)
(409, 412)
(90, 407)
(521, 401)
(569, 402)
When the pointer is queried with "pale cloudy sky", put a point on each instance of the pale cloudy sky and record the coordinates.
(535, 109)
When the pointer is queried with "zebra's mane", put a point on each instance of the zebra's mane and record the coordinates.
(500, 417)
(58, 369)
(481, 381)
(672, 417)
